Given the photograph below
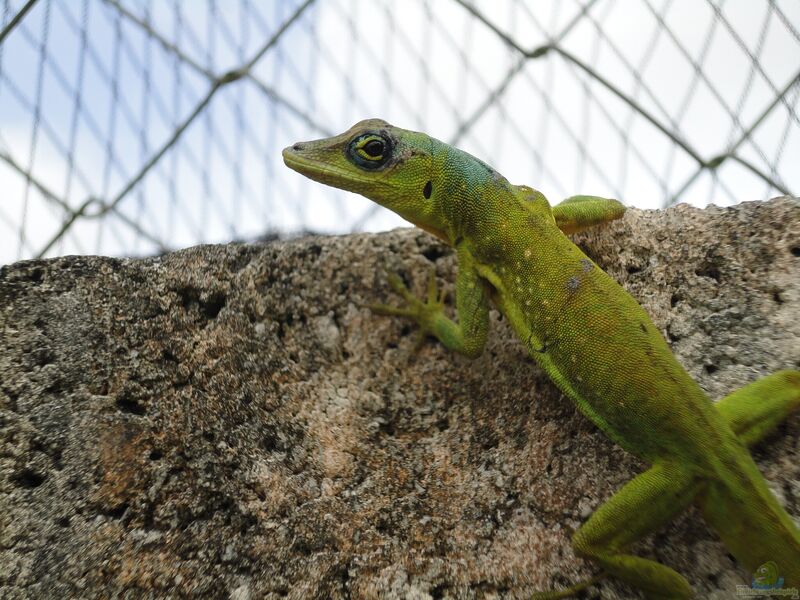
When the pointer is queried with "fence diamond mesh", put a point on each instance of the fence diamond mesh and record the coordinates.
(133, 127)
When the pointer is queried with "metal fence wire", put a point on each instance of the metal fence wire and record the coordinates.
(132, 127)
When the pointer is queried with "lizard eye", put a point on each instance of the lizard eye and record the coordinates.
(370, 150)
(373, 148)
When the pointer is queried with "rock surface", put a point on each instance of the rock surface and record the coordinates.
(228, 422)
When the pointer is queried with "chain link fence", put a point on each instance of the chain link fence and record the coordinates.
(132, 127)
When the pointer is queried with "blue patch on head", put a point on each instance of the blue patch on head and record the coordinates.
(573, 283)
(587, 265)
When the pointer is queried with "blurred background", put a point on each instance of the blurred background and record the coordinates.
(133, 127)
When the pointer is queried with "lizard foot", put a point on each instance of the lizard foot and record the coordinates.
(424, 313)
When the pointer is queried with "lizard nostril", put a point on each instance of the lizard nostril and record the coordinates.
(297, 147)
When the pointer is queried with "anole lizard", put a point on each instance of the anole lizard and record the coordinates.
(590, 336)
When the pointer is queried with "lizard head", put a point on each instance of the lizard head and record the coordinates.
(391, 166)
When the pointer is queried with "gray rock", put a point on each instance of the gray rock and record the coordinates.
(230, 422)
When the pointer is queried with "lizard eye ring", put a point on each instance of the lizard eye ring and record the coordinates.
(370, 150)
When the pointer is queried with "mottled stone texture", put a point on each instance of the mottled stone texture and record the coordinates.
(229, 422)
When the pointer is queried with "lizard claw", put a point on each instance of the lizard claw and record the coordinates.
(432, 295)
(399, 286)
(423, 312)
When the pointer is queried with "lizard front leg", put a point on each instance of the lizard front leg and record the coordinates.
(468, 335)
(578, 213)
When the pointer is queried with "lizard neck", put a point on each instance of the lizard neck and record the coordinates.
(514, 228)
(473, 195)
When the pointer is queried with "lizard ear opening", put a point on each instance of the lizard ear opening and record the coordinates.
(427, 190)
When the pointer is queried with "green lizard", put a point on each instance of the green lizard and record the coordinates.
(590, 336)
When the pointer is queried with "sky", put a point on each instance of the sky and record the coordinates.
(92, 90)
